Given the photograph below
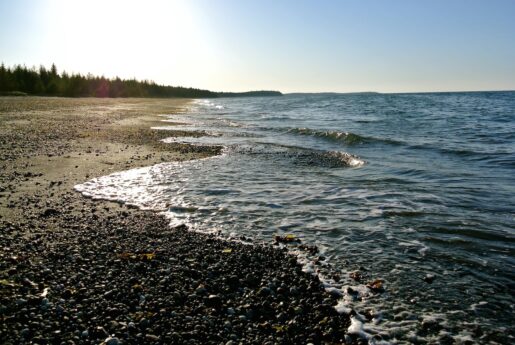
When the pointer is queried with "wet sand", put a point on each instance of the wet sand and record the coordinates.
(79, 271)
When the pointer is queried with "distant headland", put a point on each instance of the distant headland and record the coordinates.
(21, 81)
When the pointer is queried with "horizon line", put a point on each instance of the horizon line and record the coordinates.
(395, 92)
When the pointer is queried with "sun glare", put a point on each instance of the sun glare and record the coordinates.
(150, 39)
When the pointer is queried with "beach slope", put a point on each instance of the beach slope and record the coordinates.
(75, 270)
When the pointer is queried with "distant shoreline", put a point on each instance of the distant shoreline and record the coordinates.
(219, 95)
(20, 80)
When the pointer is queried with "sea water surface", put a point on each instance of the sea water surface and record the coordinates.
(417, 190)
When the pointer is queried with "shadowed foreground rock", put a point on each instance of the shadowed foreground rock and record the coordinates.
(125, 274)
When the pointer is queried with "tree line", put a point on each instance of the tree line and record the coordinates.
(48, 82)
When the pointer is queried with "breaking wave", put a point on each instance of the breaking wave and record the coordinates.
(347, 138)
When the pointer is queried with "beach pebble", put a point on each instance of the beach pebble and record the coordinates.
(112, 341)
(151, 337)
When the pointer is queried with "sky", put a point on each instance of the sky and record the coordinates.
(290, 46)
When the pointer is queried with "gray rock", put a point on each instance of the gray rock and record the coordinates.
(151, 337)
(112, 341)
(144, 323)
(25, 333)
(21, 302)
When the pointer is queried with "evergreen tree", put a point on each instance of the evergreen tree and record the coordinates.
(4, 81)
(50, 83)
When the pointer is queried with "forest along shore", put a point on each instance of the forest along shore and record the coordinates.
(77, 270)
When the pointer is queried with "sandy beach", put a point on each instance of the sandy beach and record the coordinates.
(79, 271)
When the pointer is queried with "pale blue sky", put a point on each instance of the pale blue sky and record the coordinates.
(342, 46)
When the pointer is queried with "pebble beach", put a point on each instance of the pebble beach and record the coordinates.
(81, 271)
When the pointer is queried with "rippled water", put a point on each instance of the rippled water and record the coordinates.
(397, 187)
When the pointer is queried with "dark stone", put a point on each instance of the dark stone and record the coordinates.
(49, 212)
(214, 301)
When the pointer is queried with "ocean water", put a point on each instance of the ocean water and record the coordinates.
(417, 190)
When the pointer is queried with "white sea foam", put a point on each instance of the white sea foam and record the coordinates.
(208, 104)
(356, 328)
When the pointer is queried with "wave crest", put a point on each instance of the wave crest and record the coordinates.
(303, 156)
(333, 159)
(346, 137)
